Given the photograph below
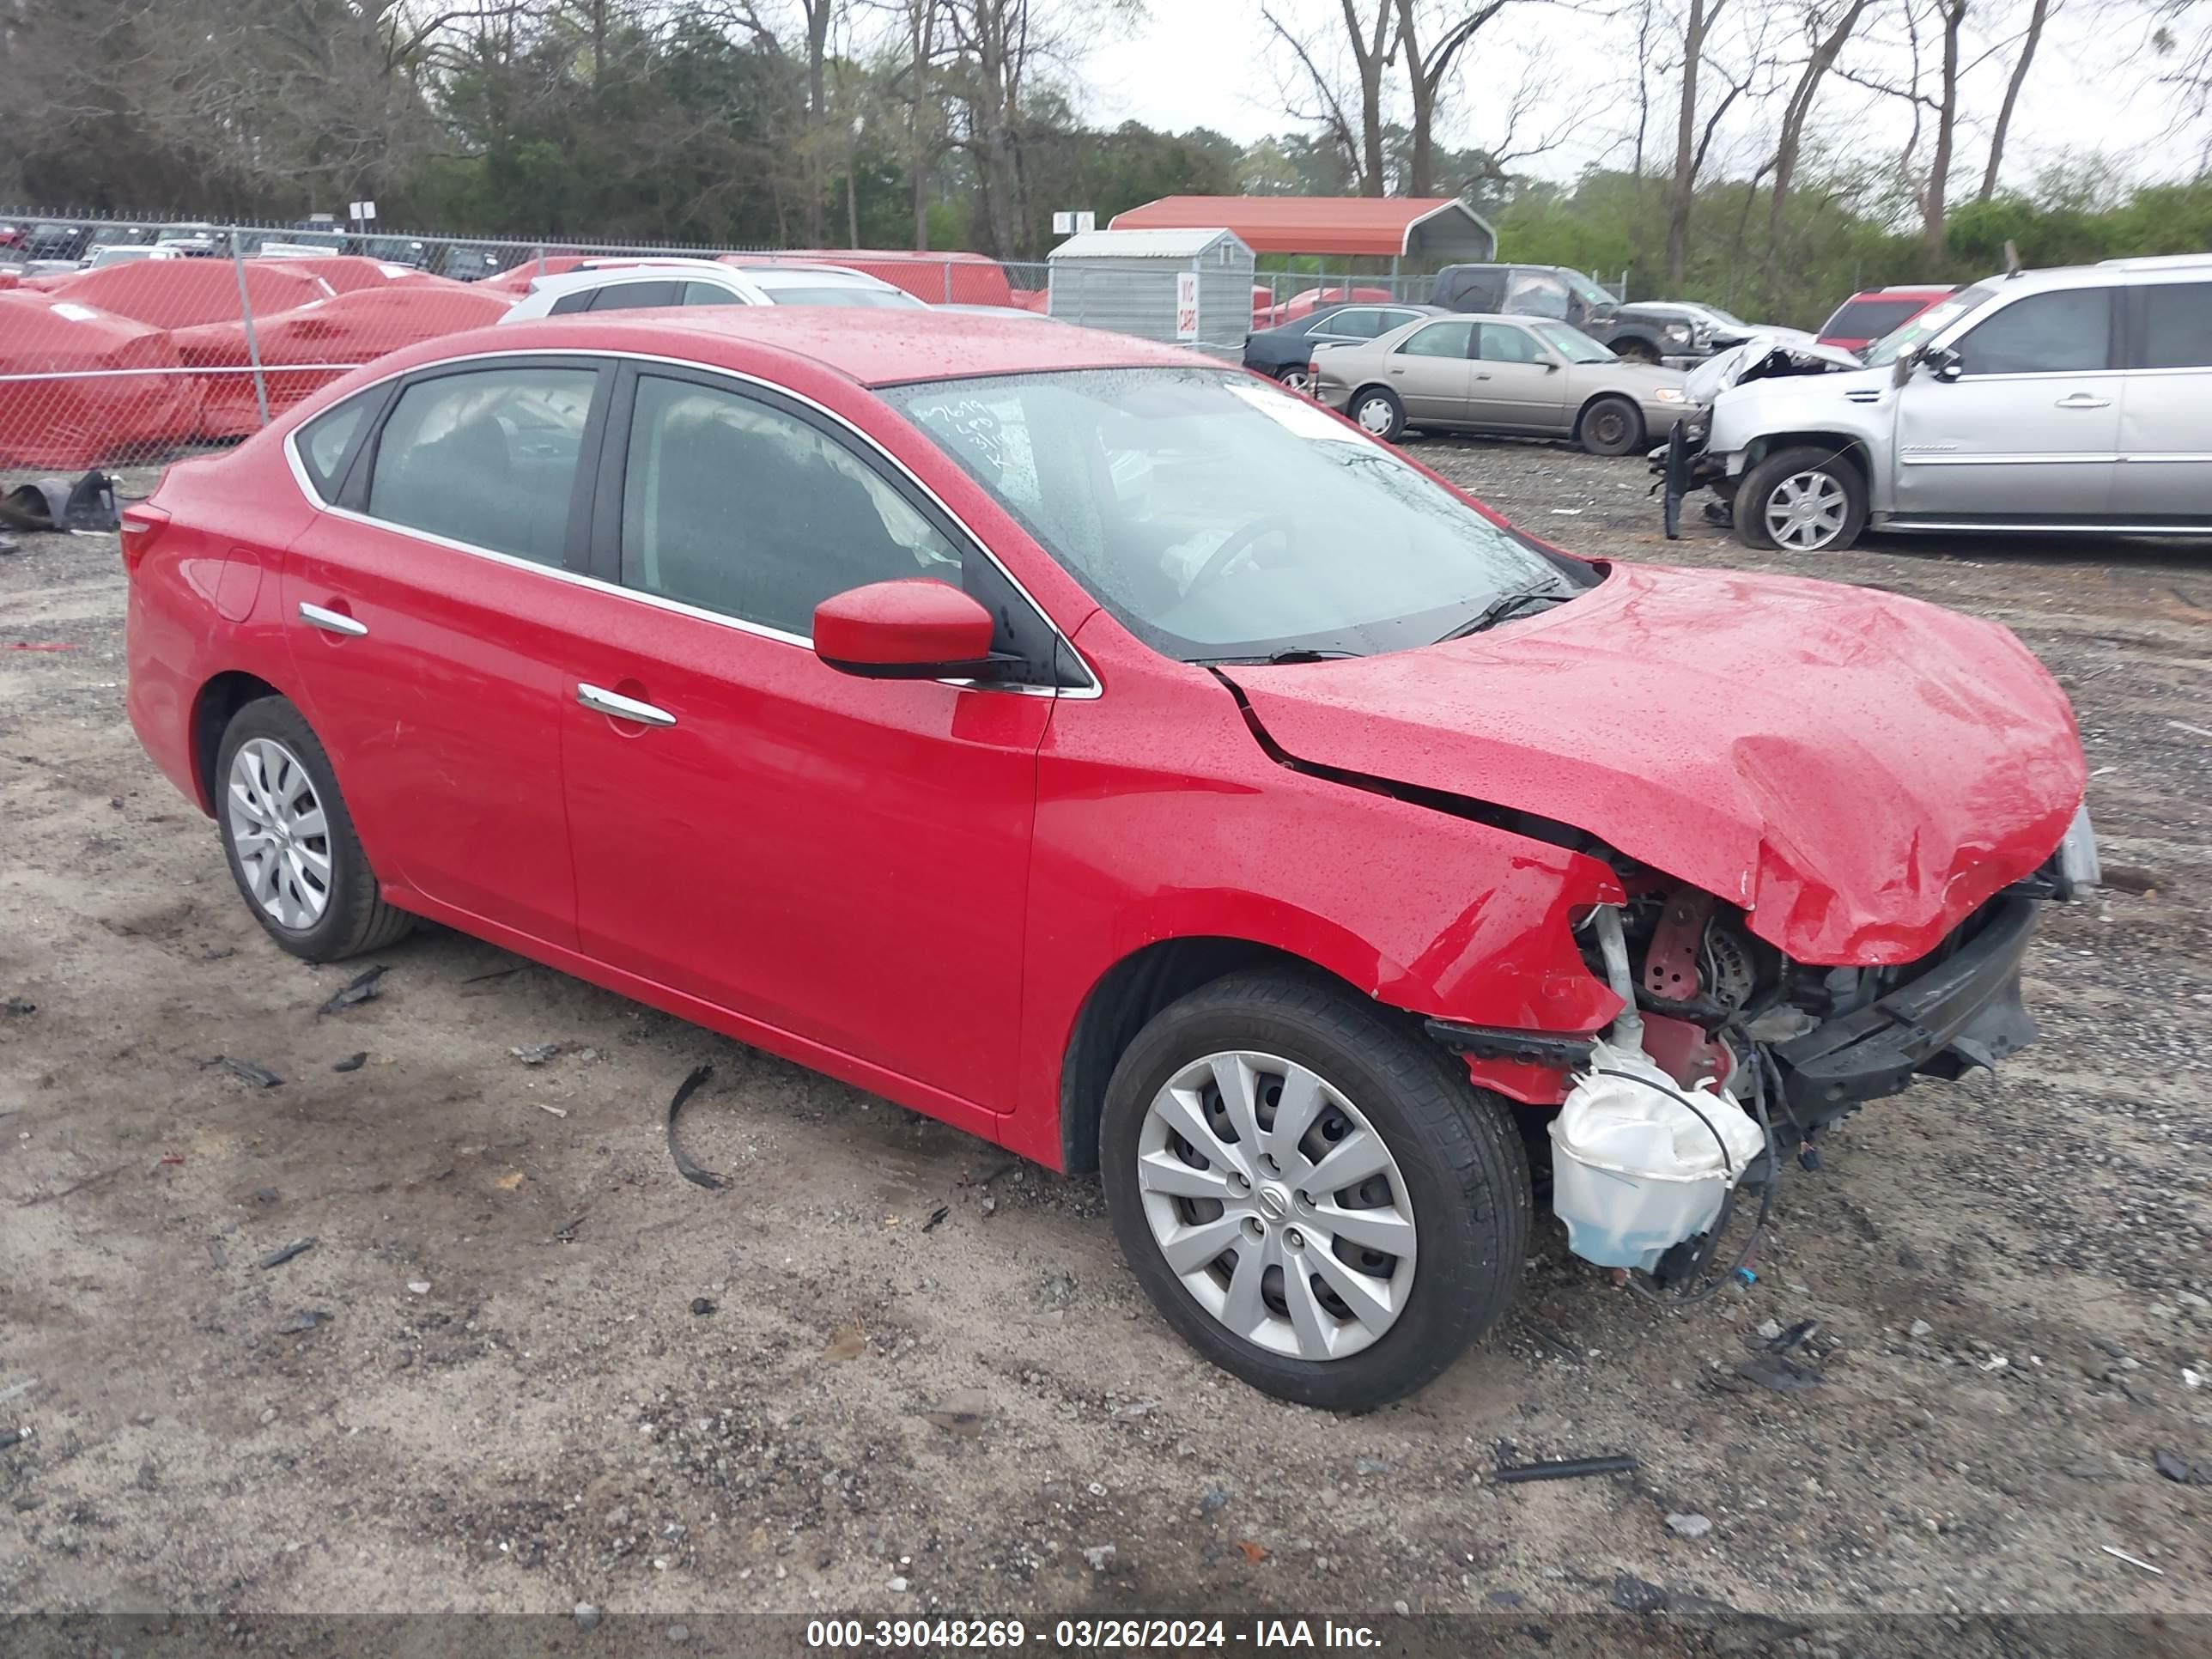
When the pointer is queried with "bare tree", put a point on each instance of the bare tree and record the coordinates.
(2038, 14)
(1426, 69)
(1371, 42)
(1952, 15)
(1828, 40)
(1681, 194)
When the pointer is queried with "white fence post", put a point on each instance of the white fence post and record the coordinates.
(252, 344)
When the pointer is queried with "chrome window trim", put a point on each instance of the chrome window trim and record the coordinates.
(300, 476)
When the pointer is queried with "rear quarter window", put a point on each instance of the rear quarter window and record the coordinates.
(326, 443)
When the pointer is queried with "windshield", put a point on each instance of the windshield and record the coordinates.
(879, 298)
(1931, 322)
(1219, 518)
(1720, 316)
(1572, 344)
(1588, 291)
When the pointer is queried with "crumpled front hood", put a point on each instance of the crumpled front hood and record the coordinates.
(1857, 770)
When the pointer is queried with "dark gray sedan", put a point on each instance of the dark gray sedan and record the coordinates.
(1525, 375)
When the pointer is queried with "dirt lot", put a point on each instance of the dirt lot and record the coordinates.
(886, 1372)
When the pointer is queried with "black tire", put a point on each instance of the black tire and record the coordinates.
(1637, 351)
(1296, 376)
(1457, 1152)
(1788, 467)
(1610, 426)
(355, 917)
(1384, 398)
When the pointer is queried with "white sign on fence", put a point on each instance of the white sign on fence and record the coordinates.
(1064, 224)
(361, 211)
(1186, 305)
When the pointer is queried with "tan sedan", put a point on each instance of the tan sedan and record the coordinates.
(1526, 375)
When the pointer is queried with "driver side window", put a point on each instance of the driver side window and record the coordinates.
(1438, 340)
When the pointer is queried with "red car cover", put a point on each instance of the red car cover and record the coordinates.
(345, 272)
(93, 414)
(178, 293)
(304, 351)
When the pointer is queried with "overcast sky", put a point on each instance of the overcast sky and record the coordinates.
(1194, 63)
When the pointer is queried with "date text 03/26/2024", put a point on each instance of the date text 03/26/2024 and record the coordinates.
(1077, 1635)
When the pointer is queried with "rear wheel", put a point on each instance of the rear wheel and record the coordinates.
(1802, 500)
(289, 839)
(1315, 1198)
(1298, 377)
(1611, 426)
(1377, 411)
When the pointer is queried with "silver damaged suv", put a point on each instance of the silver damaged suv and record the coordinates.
(2077, 399)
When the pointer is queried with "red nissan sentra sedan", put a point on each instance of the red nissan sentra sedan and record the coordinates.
(1121, 758)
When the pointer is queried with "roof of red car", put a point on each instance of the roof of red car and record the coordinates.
(874, 348)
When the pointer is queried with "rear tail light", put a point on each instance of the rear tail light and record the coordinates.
(142, 525)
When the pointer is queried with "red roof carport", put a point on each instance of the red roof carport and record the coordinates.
(1439, 229)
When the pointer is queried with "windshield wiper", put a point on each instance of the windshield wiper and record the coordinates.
(1504, 607)
(1273, 659)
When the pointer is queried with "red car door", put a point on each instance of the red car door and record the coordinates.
(845, 860)
(427, 607)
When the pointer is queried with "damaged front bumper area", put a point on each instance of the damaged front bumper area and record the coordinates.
(1683, 463)
(1962, 1010)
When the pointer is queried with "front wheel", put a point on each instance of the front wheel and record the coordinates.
(1377, 411)
(1611, 426)
(1315, 1197)
(1802, 500)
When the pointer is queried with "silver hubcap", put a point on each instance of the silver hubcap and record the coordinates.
(1375, 416)
(1805, 511)
(1298, 380)
(278, 830)
(1276, 1203)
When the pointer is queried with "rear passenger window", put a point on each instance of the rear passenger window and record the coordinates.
(735, 506)
(2177, 324)
(325, 443)
(568, 304)
(1439, 340)
(2068, 331)
(631, 295)
(709, 293)
(488, 457)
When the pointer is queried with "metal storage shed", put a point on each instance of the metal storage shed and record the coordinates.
(1182, 287)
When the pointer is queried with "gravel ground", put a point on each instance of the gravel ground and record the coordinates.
(526, 1365)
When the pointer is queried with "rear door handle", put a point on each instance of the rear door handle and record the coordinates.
(332, 621)
(622, 707)
(2083, 400)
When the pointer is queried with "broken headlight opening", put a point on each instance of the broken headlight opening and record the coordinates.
(1669, 1120)
(1682, 465)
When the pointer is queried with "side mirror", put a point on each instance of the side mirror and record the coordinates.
(917, 628)
(1943, 363)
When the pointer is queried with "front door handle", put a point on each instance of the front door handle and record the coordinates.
(622, 708)
(2083, 400)
(332, 621)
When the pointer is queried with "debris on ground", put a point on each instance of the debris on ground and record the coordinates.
(1634, 1595)
(10, 1437)
(936, 1216)
(352, 1062)
(1568, 1468)
(17, 1390)
(1215, 1499)
(89, 503)
(557, 1111)
(19, 1005)
(684, 1167)
(2131, 1560)
(1783, 1341)
(1690, 1525)
(700, 1304)
(418, 1287)
(362, 987)
(849, 1343)
(2171, 1467)
(305, 1320)
(1254, 1552)
(278, 1258)
(537, 1054)
(40, 645)
(259, 1076)
(1771, 1371)
(961, 1417)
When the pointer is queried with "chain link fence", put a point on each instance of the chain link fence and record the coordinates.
(131, 342)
